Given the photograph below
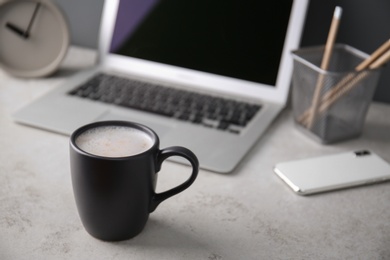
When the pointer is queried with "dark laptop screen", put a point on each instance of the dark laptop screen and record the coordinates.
(236, 38)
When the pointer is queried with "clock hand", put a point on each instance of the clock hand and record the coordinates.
(15, 29)
(20, 32)
(27, 32)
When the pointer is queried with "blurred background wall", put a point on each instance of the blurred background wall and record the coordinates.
(364, 25)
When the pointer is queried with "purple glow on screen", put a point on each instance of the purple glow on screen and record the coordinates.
(130, 14)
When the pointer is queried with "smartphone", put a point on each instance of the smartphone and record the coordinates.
(332, 172)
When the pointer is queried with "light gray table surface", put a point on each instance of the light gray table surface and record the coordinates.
(248, 214)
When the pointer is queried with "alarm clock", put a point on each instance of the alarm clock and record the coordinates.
(34, 37)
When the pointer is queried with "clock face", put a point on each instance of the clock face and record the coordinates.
(34, 37)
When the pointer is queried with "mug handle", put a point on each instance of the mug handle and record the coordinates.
(164, 154)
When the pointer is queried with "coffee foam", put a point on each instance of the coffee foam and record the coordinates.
(114, 141)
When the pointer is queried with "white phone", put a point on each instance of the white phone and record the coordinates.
(331, 172)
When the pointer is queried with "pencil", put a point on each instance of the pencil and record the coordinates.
(375, 55)
(324, 65)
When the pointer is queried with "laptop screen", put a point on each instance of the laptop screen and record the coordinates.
(233, 38)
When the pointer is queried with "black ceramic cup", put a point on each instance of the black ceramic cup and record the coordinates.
(114, 195)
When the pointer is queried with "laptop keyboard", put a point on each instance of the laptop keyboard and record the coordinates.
(209, 111)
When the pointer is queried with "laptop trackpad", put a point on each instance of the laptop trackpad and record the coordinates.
(160, 129)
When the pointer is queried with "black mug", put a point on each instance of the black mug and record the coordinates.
(114, 195)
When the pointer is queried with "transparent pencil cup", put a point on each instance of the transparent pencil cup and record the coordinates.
(331, 105)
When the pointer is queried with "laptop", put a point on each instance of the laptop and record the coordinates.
(215, 74)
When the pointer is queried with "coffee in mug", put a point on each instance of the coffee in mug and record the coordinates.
(114, 166)
(114, 141)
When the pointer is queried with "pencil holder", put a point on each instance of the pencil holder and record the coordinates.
(338, 112)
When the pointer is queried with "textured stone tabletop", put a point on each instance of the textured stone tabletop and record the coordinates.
(248, 214)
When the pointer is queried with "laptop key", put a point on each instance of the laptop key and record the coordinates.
(223, 125)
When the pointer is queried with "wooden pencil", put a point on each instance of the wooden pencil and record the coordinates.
(324, 65)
